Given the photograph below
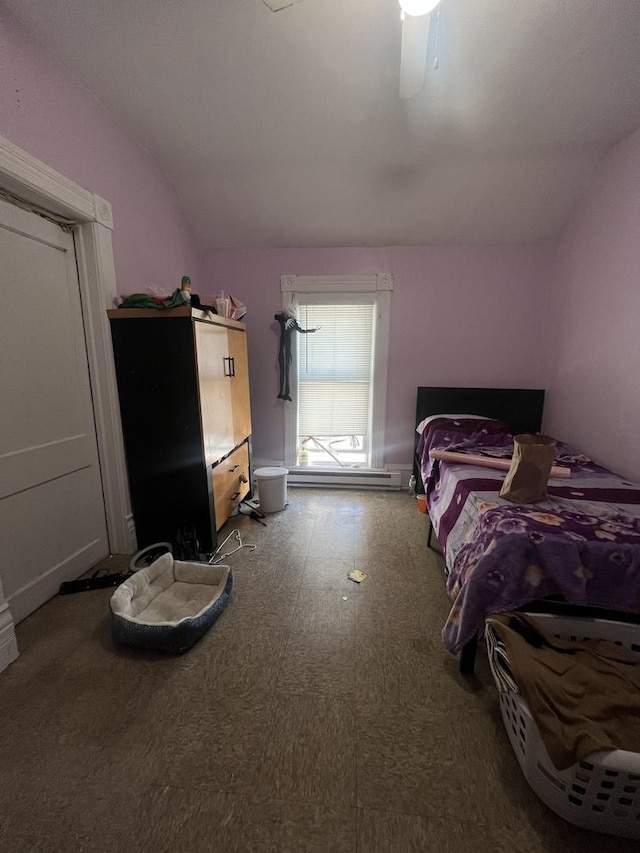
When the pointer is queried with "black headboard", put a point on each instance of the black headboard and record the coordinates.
(521, 408)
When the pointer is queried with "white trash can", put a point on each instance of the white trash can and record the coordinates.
(272, 488)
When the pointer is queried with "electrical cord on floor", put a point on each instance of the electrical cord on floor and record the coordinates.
(253, 513)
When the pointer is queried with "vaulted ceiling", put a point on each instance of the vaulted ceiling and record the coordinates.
(286, 129)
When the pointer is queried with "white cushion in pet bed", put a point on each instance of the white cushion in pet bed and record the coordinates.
(170, 604)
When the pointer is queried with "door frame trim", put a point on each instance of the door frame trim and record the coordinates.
(33, 181)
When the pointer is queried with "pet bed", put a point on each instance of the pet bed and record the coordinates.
(170, 604)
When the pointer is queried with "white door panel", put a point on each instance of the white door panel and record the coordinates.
(50, 539)
(51, 503)
(29, 466)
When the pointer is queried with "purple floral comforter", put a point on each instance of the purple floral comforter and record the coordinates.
(583, 542)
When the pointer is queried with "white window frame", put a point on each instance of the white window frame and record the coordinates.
(342, 286)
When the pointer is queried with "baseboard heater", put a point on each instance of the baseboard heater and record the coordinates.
(358, 478)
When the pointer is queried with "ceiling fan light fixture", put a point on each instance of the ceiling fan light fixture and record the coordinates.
(418, 7)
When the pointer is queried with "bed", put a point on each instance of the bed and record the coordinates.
(577, 550)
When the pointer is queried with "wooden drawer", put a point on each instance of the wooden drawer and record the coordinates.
(230, 483)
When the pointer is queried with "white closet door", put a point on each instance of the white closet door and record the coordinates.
(52, 520)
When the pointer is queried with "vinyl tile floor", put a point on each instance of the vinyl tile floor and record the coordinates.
(316, 716)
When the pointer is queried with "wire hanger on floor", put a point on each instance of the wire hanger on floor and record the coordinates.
(216, 557)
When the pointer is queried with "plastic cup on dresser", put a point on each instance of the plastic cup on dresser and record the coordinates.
(223, 304)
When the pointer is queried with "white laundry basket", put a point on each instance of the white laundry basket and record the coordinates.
(272, 488)
(601, 792)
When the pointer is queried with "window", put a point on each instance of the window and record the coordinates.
(335, 380)
(338, 375)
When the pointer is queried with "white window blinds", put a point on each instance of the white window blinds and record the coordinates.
(335, 368)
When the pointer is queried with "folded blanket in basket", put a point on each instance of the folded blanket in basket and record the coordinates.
(584, 696)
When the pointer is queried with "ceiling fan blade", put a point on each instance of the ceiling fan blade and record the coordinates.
(277, 5)
(413, 54)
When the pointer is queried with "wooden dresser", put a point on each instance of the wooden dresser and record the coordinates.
(183, 384)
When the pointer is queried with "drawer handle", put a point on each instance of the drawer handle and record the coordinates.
(243, 479)
(234, 496)
(235, 468)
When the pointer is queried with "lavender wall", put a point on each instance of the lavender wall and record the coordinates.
(461, 315)
(45, 111)
(594, 331)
